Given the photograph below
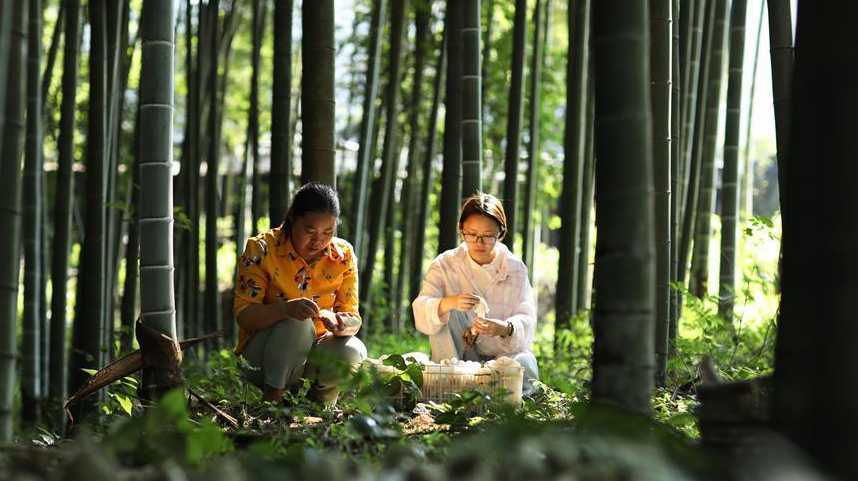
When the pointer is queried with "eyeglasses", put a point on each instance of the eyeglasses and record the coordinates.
(482, 239)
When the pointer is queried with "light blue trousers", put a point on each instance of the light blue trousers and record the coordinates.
(459, 323)
(288, 351)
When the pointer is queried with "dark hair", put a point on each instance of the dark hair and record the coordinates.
(313, 197)
(486, 205)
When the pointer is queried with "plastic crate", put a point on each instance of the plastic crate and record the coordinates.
(442, 382)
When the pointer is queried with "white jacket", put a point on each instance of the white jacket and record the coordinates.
(503, 284)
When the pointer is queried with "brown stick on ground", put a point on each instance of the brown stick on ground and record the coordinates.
(220, 412)
(120, 368)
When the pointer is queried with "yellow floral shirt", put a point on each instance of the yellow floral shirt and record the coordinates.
(270, 270)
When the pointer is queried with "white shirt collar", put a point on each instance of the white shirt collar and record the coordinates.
(496, 269)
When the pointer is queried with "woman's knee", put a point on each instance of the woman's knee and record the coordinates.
(293, 330)
(528, 362)
(348, 350)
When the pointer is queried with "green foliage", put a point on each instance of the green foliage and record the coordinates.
(676, 410)
(166, 433)
(409, 341)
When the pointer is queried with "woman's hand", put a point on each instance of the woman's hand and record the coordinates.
(349, 324)
(463, 302)
(491, 327)
(340, 324)
(301, 308)
(330, 320)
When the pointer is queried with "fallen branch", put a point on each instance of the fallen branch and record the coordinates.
(120, 368)
(218, 411)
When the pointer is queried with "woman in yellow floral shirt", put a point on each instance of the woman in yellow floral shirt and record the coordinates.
(296, 300)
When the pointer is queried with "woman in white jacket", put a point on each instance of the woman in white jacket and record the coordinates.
(450, 310)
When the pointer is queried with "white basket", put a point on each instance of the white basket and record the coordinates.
(442, 382)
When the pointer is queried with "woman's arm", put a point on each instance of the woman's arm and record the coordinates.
(346, 303)
(523, 319)
(256, 317)
(429, 315)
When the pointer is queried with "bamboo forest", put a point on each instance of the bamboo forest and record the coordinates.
(414, 240)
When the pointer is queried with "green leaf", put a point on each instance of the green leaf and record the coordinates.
(396, 361)
(208, 439)
(173, 404)
(91, 372)
(681, 419)
(125, 403)
(415, 372)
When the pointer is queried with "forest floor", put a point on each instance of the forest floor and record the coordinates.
(220, 429)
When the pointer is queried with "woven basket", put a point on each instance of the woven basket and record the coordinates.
(441, 383)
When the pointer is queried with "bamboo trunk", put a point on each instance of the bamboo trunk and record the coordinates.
(389, 158)
(691, 195)
(423, 17)
(513, 125)
(426, 175)
(661, 17)
(816, 365)
(472, 130)
(574, 144)
(451, 173)
(730, 182)
(281, 141)
(624, 277)
(367, 126)
(31, 353)
(63, 206)
(533, 146)
(690, 102)
(157, 306)
(783, 59)
(13, 34)
(699, 281)
(317, 92)
(746, 193)
(585, 283)
(88, 335)
(212, 295)
(675, 162)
